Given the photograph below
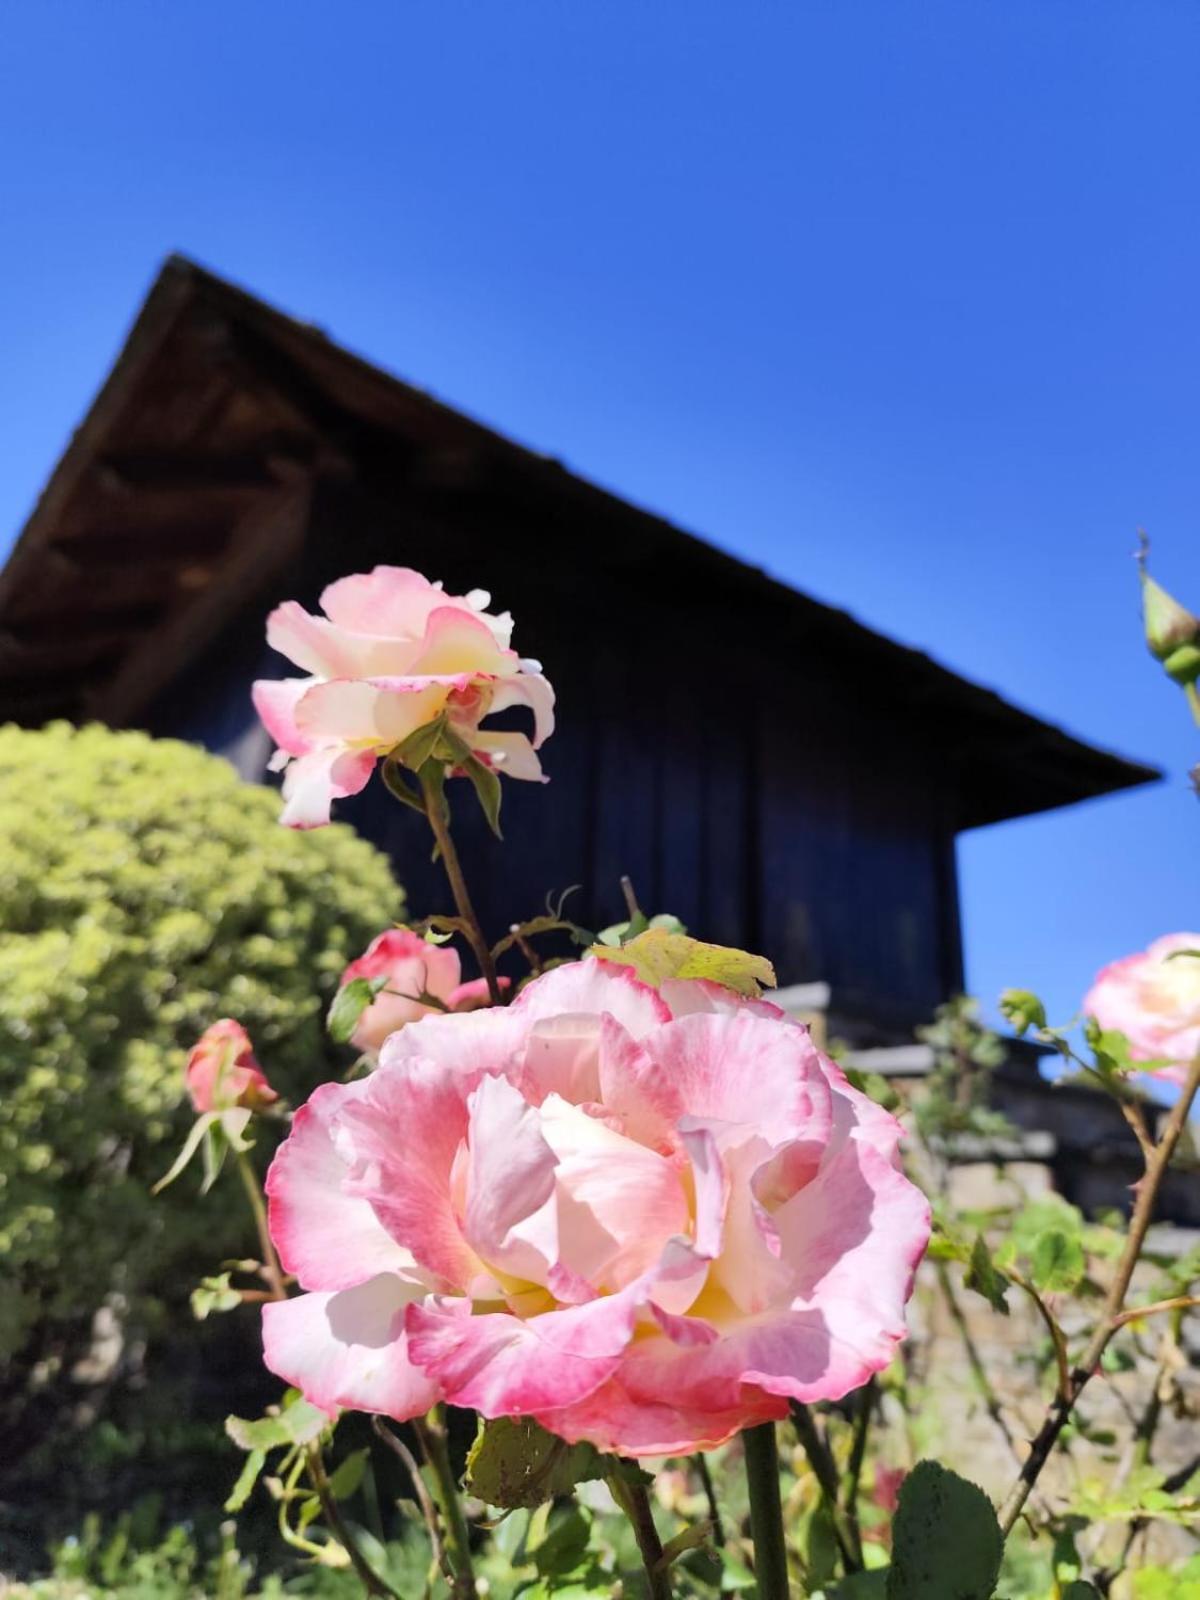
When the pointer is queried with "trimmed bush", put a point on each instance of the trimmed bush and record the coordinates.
(144, 892)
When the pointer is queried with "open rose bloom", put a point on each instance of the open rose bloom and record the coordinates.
(645, 1217)
(391, 653)
(412, 967)
(1153, 998)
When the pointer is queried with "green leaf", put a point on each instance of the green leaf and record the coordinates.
(1057, 1262)
(349, 1003)
(348, 1474)
(399, 787)
(875, 1086)
(297, 1423)
(862, 1586)
(946, 1542)
(565, 1545)
(214, 1294)
(1080, 1590)
(516, 1462)
(1023, 1010)
(420, 745)
(247, 1478)
(486, 782)
(190, 1145)
(985, 1277)
(657, 955)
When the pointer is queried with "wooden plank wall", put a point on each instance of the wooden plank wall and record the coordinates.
(747, 786)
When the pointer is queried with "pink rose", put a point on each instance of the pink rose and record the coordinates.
(412, 967)
(221, 1072)
(645, 1217)
(1155, 1002)
(392, 653)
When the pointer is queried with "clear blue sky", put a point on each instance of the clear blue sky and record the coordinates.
(900, 301)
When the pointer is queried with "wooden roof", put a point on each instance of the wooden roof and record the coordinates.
(180, 498)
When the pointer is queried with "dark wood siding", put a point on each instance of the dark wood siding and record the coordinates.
(737, 780)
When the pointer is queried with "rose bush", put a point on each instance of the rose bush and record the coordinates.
(645, 1217)
(391, 654)
(412, 967)
(1153, 998)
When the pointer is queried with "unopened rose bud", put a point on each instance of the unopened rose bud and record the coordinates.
(1172, 632)
(221, 1071)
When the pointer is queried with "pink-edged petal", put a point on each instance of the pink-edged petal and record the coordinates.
(321, 647)
(326, 1237)
(617, 1200)
(379, 713)
(469, 1042)
(275, 701)
(533, 690)
(412, 967)
(506, 1367)
(510, 754)
(743, 1068)
(688, 996)
(613, 1421)
(592, 987)
(388, 602)
(348, 1350)
(401, 1137)
(314, 781)
(632, 1088)
(511, 1177)
(686, 1331)
(460, 641)
(872, 1122)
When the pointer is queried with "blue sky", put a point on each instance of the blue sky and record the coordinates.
(897, 300)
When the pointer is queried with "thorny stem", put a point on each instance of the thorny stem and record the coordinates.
(1061, 1359)
(858, 1450)
(431, 1431)
(700, 1462)
(820, 1459)
(272, 1271)
(434, 802)
(635, 1503)
(367, 1576)
(766, 1512)
(1111, 1318)
(315, 1467)
(424, 1499)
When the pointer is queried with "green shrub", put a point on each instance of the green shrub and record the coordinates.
(144, 892)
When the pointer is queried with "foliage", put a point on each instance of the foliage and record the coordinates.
(144, 892)
(965, 1055)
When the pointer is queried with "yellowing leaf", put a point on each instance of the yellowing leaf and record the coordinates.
(657, 955)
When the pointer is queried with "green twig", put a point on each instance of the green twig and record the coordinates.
(820, 1459)
(432, 792)
(431, 1431)
(633, 1500)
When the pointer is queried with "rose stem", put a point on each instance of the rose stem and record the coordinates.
(432, 792)
(1157, 1163)
(700, 1462)
(635, 1503)
(367, 1576)
(766, 1512)
(431, 1431)
(825, 1472)
(858, 1449)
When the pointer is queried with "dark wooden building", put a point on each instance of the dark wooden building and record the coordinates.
(780, 776)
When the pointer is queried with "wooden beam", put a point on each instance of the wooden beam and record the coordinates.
(264, 542)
